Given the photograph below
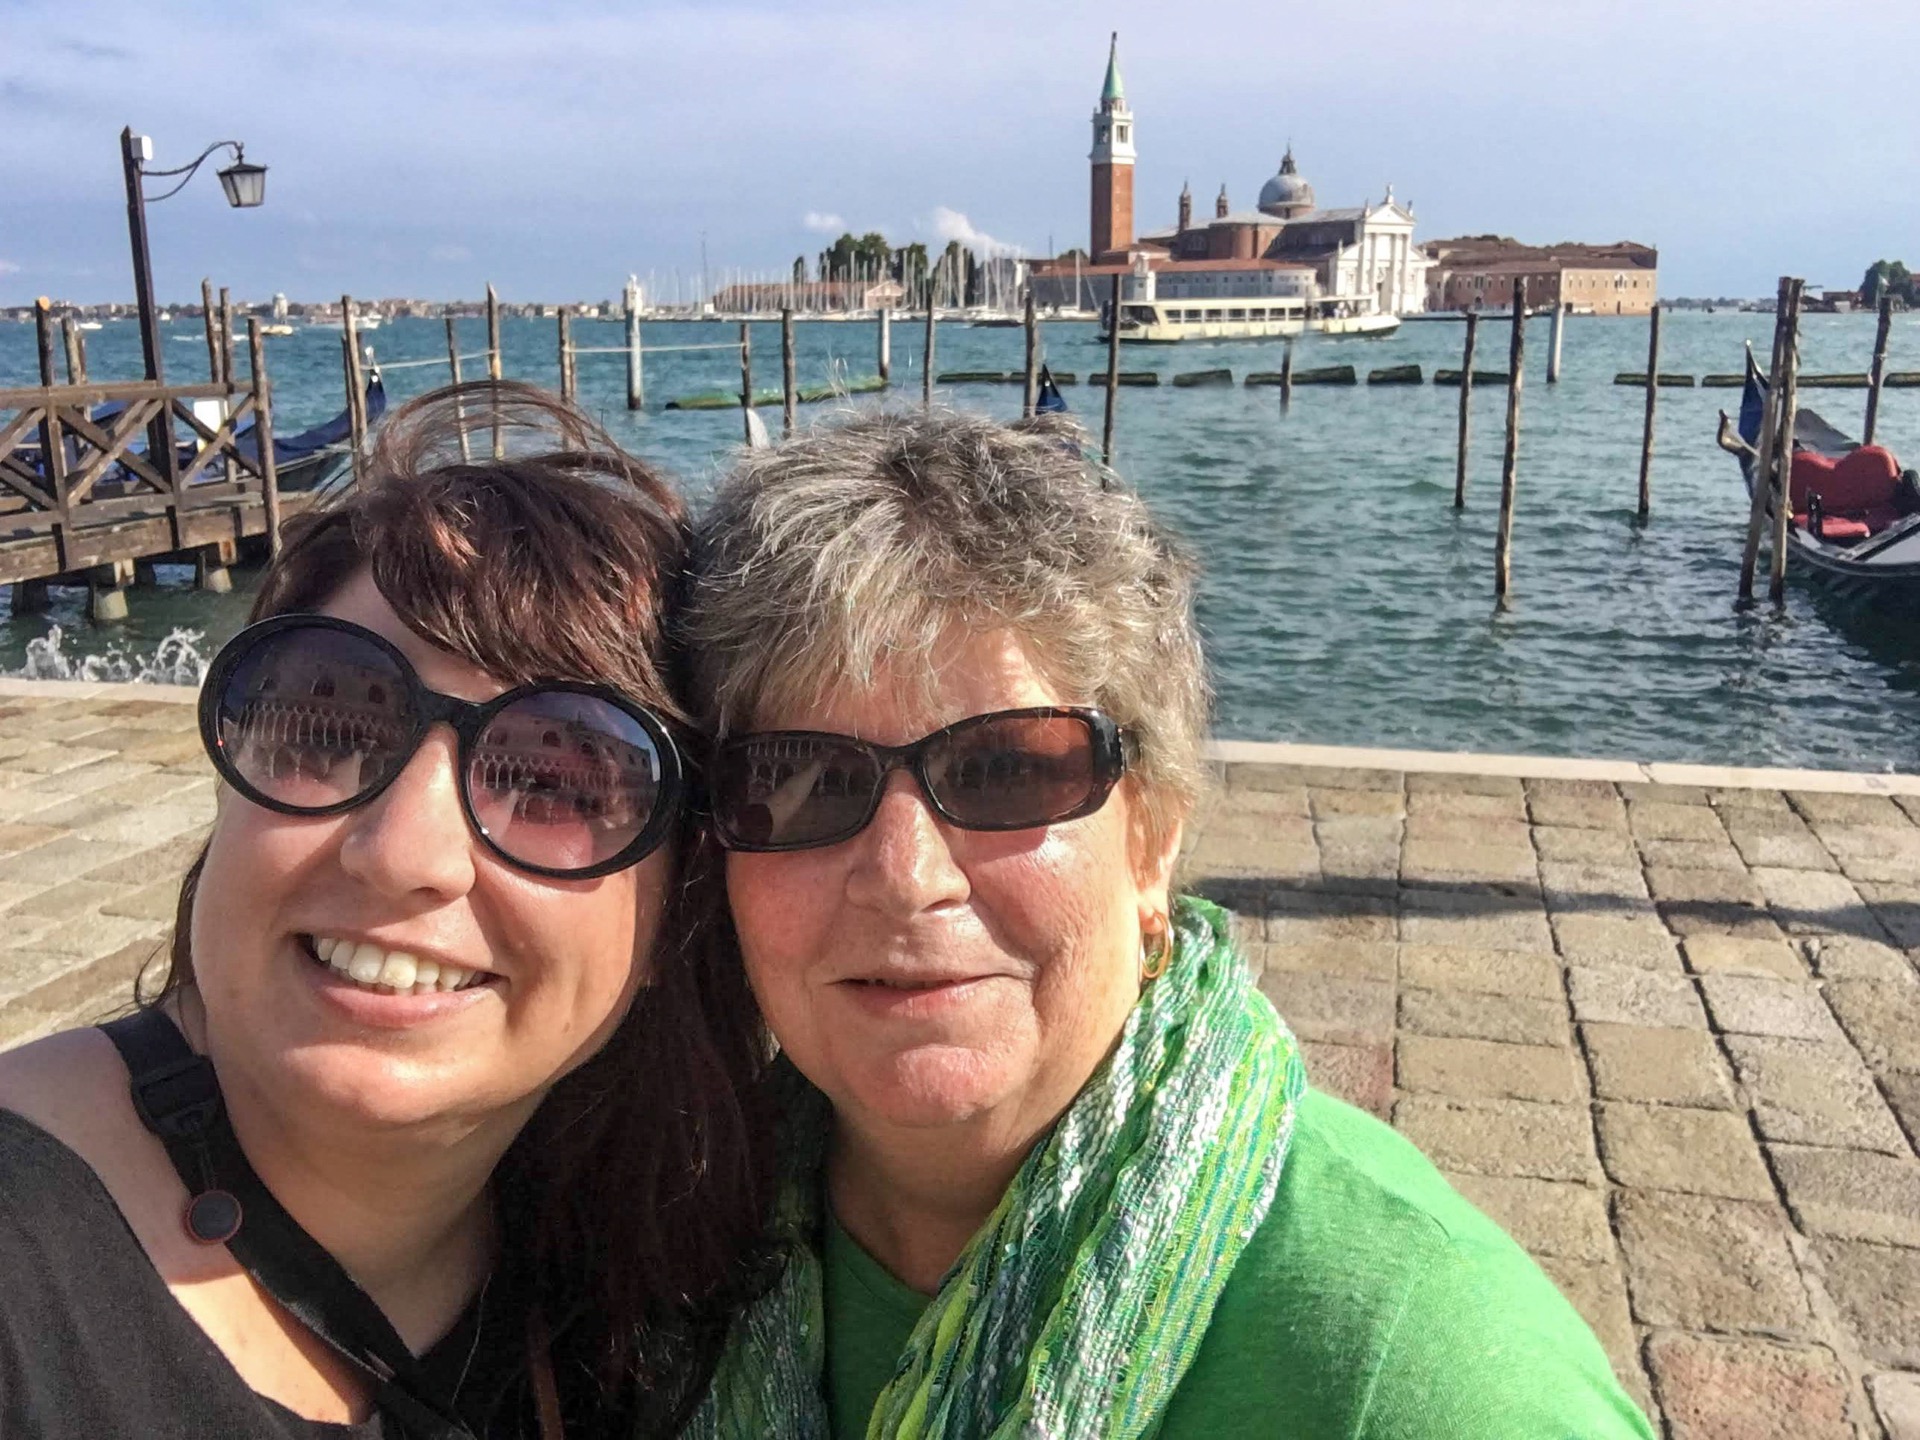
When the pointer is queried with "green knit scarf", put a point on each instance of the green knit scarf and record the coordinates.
(1079, 1305)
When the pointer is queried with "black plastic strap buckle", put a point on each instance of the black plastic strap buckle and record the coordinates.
(179, 1100)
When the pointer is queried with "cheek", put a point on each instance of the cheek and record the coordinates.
(780, 906)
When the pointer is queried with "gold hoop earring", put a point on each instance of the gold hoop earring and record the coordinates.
(1156, 949)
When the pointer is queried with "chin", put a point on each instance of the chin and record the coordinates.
(384, 1091)
(934, 1085)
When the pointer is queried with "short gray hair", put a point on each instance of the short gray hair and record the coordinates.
(856, 546)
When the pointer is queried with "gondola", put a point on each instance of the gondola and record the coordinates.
(1049, 401)
(1856, 514)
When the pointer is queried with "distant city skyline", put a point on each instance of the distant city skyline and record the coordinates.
(417, 151)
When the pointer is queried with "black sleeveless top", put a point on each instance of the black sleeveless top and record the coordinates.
(93, 1344)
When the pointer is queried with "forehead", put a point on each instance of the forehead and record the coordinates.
(360, 601)
(969, 673)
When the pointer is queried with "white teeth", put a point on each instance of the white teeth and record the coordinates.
(396, 970)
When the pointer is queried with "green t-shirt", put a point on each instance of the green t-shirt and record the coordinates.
(1374, 1303)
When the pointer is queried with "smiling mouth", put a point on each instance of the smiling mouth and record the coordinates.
(388, 972)
(908, 987)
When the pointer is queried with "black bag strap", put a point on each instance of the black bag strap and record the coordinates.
(177, 1096)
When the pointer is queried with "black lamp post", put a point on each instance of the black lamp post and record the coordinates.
(246, 186)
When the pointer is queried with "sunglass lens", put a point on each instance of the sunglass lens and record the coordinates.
(564, 781)
(1007, 772)
(312, 717)
(781, 791)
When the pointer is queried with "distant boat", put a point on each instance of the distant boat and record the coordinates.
(361, 323)
(1251, 318)
(1050, 401)
(165, 317)
(276, 329)
(88, 325)
(1855, 513)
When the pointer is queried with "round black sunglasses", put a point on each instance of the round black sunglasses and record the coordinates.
(312, 715)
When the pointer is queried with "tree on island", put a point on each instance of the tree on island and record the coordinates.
(1888, 277)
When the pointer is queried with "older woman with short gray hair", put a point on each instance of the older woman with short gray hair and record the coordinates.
(1052, 1164)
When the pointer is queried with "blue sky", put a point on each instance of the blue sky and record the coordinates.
(423, 149)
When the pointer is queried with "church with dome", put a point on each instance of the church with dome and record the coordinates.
(1363, 256)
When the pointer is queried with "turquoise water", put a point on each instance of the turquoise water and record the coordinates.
(1344, 600)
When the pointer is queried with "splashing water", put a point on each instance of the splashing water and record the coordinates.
(176, 660)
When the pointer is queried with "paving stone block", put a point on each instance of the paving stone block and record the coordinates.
(1450, 862)
(1231, 828)
(17, 836)
(105, 981)
(1350, 959)
(1638, 941)
(1762, 1005)
(1382, 830)
(1896, 1395)
(1361, 1075)
(1447, 782)
(57, 861)
(1849, 957)
(1896, 905)
(1622, 995)
(1584, 812)
(1331, 922)
(1703, 918)
(166, 861)
(1225, 856)
(1877, 1289)
(1813, 1093)
(1594, 889)
(150, 824)
(1585, 846)
(158, 902)
(1695, 854)
(1598, 1291)
(1658, 820)
(1327, 804)
(1881, 1019)
(1779, 847)
(1547, 1217)
(1483, 972)
(1903, 1094)
(1286, 803)
(63, 902)
(1488, 1070)
(1814, 902)
(1739, 800)
(1665, 1147)
(1691, 886)
(93, 933)
(1851, 1194)
(1333, 1008)
(1657, 1065)
(1713, 1388)
(1556, 786)
(1732, 955)
(1471, 830)
(1501, 1137)
(1245, 775)
(51, 759)
(1699, 1262)
(1839, 808)
(1360, 869)
(1492, 807)
(1489, 930)
(1645, 792)
(1512, 1019)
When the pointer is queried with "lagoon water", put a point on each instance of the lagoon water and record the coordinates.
(1344, 600)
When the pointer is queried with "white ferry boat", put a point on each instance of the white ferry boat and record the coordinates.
(1250, 318)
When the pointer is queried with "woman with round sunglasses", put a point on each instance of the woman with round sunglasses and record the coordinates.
(434, 1128)
(1051, 1165)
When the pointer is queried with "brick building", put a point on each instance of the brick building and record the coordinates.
(1477, 273)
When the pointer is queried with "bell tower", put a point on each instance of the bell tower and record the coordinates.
(1112, 158)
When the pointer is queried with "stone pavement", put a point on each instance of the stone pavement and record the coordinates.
(1663, 1024)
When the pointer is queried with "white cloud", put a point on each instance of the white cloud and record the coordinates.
(7, 267)
(824, 223)
(450, 254)
(952, 225)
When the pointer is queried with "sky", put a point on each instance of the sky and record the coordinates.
(424, 149)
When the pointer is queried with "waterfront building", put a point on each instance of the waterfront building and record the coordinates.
(1362, 261)
(1476, 272)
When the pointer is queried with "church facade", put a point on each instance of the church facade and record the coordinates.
(1363, 257)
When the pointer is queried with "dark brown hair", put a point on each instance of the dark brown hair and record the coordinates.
(639, 1185)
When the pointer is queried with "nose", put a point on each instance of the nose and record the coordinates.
(413, 839)
(902, 862)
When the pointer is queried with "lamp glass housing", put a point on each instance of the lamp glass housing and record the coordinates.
(245, 184)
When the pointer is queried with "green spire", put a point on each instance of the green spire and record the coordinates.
(1111, 92)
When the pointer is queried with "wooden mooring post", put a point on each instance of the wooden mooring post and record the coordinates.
(1553, 352)
(1030, 400)
(356, 387)
(746, 381)
(226, 337)
(493, 365)
(565, 329)
(210, 318)
(453, 371)
(1113, 374)
(1783, 445)
(788, 395)
(263, 432)
(1760, 463)
(1510, 463)
(1286, 378)
(1466, 410)
(1877, 377)
(1653, 396)
(636, 390)
(885, 358)
(76, 344)
(926, 366)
